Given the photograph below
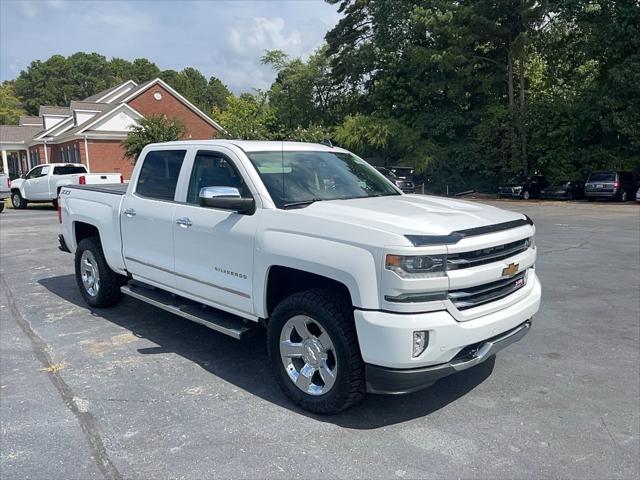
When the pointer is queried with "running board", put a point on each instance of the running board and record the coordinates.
(196, 312)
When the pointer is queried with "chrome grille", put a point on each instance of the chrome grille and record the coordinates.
(489, 292)
(486, 255)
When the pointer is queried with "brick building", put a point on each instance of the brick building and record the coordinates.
(90, 131)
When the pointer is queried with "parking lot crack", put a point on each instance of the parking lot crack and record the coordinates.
(85, 419)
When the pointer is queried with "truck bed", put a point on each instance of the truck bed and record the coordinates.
(113, 188)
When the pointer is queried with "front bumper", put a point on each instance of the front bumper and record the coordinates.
(396, 381)
(510, 193)
(385, 338)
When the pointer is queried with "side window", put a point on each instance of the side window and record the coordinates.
(159, 174)
(35, 173)
(212, 169)
(44, 171)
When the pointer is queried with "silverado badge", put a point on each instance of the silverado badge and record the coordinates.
(510, 270)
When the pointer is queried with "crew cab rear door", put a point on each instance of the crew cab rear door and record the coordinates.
(146, 218)
(214, 248)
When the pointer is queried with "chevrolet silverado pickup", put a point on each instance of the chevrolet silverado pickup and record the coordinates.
(361, 288)
(43, 182)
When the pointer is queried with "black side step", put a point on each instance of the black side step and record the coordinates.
(212, 318)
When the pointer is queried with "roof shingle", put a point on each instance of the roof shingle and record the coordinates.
(17, 133)
(51, 110)
(30, 121)
(91, 106)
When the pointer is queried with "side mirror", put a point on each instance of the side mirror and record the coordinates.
(226, 198)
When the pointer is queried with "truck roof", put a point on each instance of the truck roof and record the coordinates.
(60, 164)
(258, 145)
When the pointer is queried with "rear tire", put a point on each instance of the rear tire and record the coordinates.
(98, 284)
(1, 205)
(17, 201)
(328, 320)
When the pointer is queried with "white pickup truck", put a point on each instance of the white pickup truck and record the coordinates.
(5, 192)
(359, 286)
(43, 182)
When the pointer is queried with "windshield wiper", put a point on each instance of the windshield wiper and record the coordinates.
(301, 204)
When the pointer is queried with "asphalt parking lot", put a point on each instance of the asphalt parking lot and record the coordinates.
(133, 392)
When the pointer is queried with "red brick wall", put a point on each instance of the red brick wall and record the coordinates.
(40, 149)
(56, 152)
(197, 128)
(107, 156)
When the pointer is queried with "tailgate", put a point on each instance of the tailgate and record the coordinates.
(98, 178)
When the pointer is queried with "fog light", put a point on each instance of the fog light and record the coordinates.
(420, 342)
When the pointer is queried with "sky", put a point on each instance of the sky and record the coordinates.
(221, 38)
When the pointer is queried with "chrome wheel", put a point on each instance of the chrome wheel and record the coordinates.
(16, 200)
(90, 273)
(308, 355)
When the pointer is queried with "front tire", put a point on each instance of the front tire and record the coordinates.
(17, 201)
(623, 196)
(98, 284)
(526, 195)
(314, 352)
(1, 205)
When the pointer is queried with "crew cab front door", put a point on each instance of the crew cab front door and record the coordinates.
(213, 249)
(36, 186)
(147, 218)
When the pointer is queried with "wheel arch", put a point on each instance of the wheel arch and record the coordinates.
(82, 230)
(283, 281)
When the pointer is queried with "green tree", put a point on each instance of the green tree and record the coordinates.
(303, 93)
(10, 105)
(217, 94)
(248, 117)
(152, 129)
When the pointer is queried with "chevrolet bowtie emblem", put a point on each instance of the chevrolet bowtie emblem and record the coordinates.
(510, 270)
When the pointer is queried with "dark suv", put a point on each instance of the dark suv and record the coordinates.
(404, 184)
(523, 187)
(614, 185)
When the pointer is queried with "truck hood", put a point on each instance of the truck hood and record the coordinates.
(409, 214)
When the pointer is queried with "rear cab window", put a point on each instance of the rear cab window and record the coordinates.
(159, 174)
(69, 170)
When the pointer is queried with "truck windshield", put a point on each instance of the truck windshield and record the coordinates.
(300, 178)
(68, 169)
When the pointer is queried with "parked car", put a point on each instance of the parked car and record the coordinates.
(360, 287)
(407, 186)
(405, 173)
(523, 187)
(43, 182)
(564, 190)
(638, 195)
(5, 191)
(613, 185)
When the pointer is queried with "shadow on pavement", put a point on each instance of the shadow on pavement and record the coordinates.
(245, 364)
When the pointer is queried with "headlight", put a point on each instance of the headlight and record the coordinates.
(517, 189)
(417, 266)
(531, 241)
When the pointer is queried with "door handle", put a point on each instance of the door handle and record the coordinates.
(130, 212)
(184, 222)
